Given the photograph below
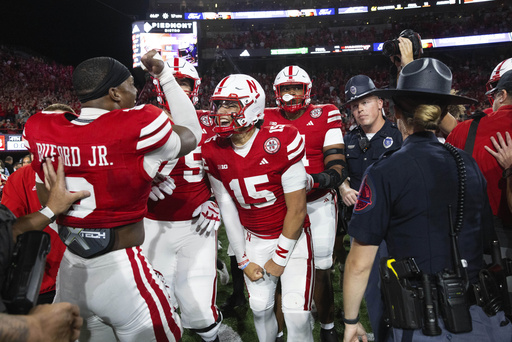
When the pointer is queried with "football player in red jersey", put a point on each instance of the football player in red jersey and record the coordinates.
(258, 179)
(320, 126)
(181, 238)
(475, 135)
(113, 150)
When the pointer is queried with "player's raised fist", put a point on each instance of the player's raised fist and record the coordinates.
(153, 62)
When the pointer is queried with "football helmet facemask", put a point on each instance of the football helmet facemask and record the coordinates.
(181, 68)
(292, 75)
(496, 74)
(247, 93)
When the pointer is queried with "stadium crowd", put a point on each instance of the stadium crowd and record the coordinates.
(299, 33)
(31, 83)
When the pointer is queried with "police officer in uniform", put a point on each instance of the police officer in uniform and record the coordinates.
(364, 144)
(404, 199)
(373, 135)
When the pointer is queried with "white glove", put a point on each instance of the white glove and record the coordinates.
(163, 183)
(309, 182)
(209, 217)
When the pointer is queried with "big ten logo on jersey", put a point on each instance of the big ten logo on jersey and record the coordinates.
(73, 155)
(2, 142)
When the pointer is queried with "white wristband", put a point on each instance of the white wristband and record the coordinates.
(243, 264)
(283, 250)
(166, 75)
(48, 213)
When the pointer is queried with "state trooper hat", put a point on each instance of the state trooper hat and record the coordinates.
(358, 87)
(427, 79)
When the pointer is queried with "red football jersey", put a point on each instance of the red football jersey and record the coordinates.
(20, 196)
(254, 181)
(489, 126)
(105, 157)
(189, 176)
(313, 126)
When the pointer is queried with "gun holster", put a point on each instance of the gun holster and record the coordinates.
(25, 274)
(404, 307)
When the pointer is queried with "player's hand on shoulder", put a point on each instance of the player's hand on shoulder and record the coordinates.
(59, 197)
(254, 271)
(153, 62)
(503, 146)
(273, 269)
(209, 217)
(161, 184)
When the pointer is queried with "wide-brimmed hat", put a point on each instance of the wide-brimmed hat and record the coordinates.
(426, 79)
(358, 87)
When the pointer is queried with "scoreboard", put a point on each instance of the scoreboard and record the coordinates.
(11, 143)
(171, 38)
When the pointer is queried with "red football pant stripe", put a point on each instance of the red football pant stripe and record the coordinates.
(158, 328)
(308, 295)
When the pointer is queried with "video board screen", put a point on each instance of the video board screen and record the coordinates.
(170, 38)
(12, 142)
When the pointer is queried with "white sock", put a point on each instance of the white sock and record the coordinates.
(327, 326)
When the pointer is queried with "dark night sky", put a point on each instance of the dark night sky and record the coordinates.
(70, 31)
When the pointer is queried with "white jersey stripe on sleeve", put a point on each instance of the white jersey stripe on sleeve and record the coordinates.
(296, 147)
(154, 138)
(153, 126)
(334, 118)
(333, 112)
(294, 144)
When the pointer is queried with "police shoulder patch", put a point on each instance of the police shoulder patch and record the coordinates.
(387, 142)
(367, 196)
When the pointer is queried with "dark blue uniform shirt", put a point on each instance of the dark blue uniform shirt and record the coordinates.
(404, 200)
(386, 139)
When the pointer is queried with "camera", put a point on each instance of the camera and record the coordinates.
(391, 48)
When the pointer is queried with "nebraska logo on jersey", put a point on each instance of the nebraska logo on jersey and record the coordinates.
(315, 113)
(272, 145)
(206, 121)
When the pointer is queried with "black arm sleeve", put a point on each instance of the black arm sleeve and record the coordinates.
(329, 179)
